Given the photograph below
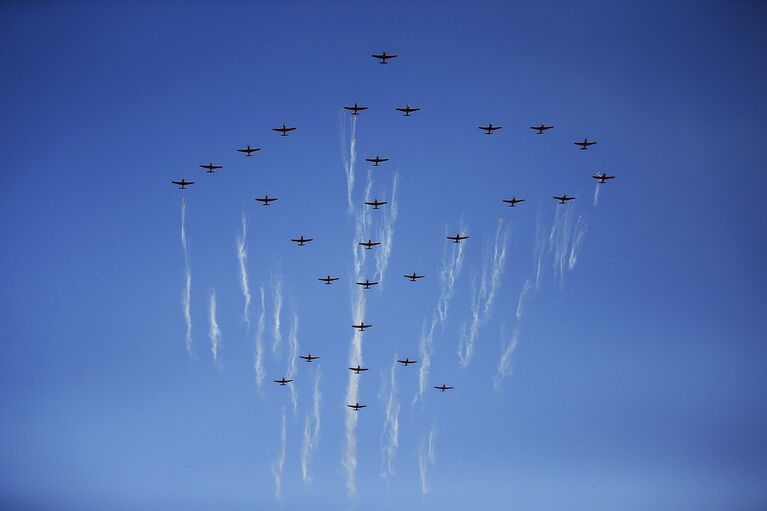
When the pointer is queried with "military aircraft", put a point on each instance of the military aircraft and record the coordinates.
(407, 362)
(367, 284)
(407, 110)
(375, 161)
(355, 109)
(541, 128)
(457, 238)
(585, 144)
(249, 150)
(563, 199)
(308, 357)
(284, 130)
(282, 381)
(383, 57)
(362, 326)
(602, 177)
(302, 241)
(442, 387)
(328, 279)
(183, 184)
(211, 168)
(266, 200)
(376, 203)
(413, 277)
(356, 406)
(513, 201)
(489, 129)
(358, 369)
(369, 244)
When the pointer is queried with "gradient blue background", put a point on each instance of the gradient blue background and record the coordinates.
(639, 384)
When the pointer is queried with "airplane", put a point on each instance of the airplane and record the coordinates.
(356, 406)
(442, 387)
(511, 202)
(308, 357)
(367, 284)
(602, 177)
(362, 326)
(328, 279)
(183, 184)
(369, 244)
(302, 241)
(249, 150)
(457, 238)
(358, 369)
(284, 130)
(377, 160)
(376, 203)
(585, 144)
(406, 111)
(266, 200)
(383, 56)
(563, 199)
(413, 277)
(355, 109)
(282, 381)
(407, 362)
(541, 128)
(212, 168)
(489, 129)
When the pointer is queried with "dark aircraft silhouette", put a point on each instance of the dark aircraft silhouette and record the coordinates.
(375, 161)
(376, 203)
(413, 277)
(563, 199)
(362, 326)
(356, 406)
(457, 238)
(541, 128)
(407, 362)
(489, 129)
(183, 184)
(211, 168)
(367, 284)
(358, 369)
(328, 279)
(284, 130)
(602, 177)
(383, 57)
(442, 387)
(302, 241)
(266, 200)
(407, 110)
(355, 109)
(249, 150)
(308, 357)
(513, 201)
(282, 381)
(369, 244)
(585, 144)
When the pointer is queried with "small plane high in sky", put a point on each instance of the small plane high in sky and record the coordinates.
(442, 387)
(183, 184)
(585, 144)
(406, 111)
(358, 369)
(328, 279)
(369, 244)
(489, 129)
(284, 130)
(282, 381)
(308, 357)
(362, 326)
(356, 406)
(602, 177)
(249, 150)
(541, 128)
(211, 168)
(377, 160)
(301, 241)
(367, 284)
(563, 199)
(407, 362)
(383, 57)
(265, 200)
(355, 109)
(376, 203)
(513, 201)
(457, 238)
(413, 277)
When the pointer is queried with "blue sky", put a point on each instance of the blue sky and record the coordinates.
(636, 375)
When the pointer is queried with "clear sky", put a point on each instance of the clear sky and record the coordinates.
(631, 376)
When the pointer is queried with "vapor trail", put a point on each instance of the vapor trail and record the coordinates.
(186, 295)
(526, 288)
(279, 465)
(386, 231)
(350, 158)
(539, 250)
(242, 258)
(425, 348)
(258, 363)
(567, 233)
(277, 297)
(581, 226)
(352, 396)
(292, 356)
(504, 365)
(215, 332)
(596, 194)
(427, 457)
(452, 262)
(311, 431)
(390, 433)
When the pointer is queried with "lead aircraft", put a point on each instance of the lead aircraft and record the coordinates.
(284, 130)
(383, 57)
(182, 184)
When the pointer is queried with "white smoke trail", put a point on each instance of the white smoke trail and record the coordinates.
(186, 295)
(242, 258)
(258, 359)
(568, 231)
(596, 194)
(279, 465)
(350, 158)
(539, 250)
(352, 396)
(386, 231)
(427, 458)
(292, 356)
(425, 349)
(452, 262)
(277, 297)
(311, 431)
(504, 365)
(215, 331)
(581, 227)
(390, 433)
(526, 288)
